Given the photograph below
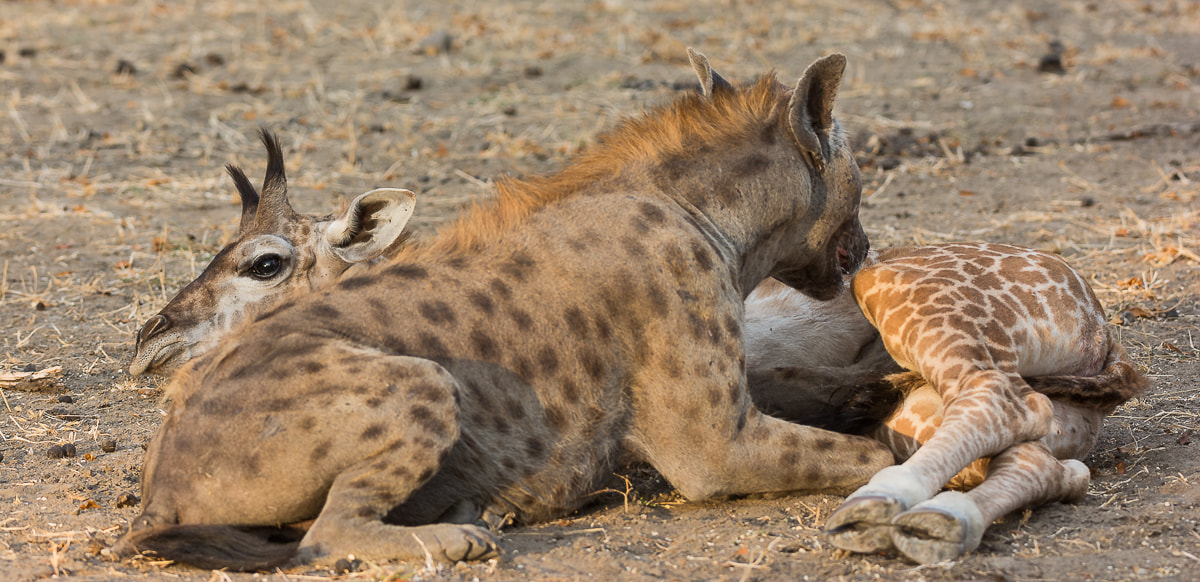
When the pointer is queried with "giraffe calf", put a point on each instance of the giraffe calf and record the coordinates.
(1020, 366)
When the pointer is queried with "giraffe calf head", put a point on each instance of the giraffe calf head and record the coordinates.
(277, 254)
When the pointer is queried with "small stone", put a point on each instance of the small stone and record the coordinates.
(1, 456)
(438, 43)
(29, 368)
(183, 71)
(66, 399)
(532, 71)
(889, 164)
(509, 110)
(1087, 202)
(214, 59)
(108, 445)
(342, 566)
(413, 83)
(125, 67)
(27, 52)
(1051, 63)
(68, 450)
(127, 500)
(54, 452)
(39, 306)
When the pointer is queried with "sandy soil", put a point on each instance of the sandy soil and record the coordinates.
(1070, 126)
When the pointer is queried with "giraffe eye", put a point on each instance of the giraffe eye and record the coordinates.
(266, 266)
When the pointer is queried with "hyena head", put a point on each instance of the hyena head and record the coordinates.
(278, 254)
(833, 242)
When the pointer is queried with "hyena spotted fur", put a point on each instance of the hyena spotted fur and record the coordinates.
(504, 368)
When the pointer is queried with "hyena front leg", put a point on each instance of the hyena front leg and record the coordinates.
(403, 455)
(708, 440)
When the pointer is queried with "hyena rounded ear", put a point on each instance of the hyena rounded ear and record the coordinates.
(810, 112)
(710, 81)
(372, 223)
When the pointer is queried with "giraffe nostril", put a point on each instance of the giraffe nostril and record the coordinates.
(156, 325)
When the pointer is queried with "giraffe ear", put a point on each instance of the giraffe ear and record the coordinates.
(810, 111)
(710, 81)
(371, 225)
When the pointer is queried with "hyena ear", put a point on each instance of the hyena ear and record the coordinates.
(710, 81)
(373, 223)
(810, 111)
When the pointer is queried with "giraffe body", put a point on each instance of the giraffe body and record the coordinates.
(502, 369)
(972, 320)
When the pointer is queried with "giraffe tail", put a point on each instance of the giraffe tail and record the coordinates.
(213, 547)
(1116, 383)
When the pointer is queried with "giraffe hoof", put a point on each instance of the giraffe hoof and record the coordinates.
(937, 530)
(863, 524)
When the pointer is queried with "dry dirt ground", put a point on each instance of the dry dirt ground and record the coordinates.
(1072, 126)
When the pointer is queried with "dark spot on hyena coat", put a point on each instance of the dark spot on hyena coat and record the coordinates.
(570, 390)
(372, 432)
(633, 247)
(652, 213)
(428, 421)
(522, 318)
(516, 410)
(436, 312)
(523, 368)
(482, 301)
(576, 322)
(703, 257)
(519, 266)
(500, 288)
(592, 364)
(319, 452)
(535, 448)
(356, 283)
(485, 347)
(548, 360)
(557, 419)
(432, 346)
(407, 271)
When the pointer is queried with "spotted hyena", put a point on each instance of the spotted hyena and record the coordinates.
(503, 369)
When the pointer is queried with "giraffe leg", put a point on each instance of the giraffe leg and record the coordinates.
(990, 412)
(952, 523)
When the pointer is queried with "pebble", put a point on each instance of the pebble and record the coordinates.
(66, 399)
(54, 452)
(68, 450)
(127, 500)
(109, 445)
(438, 43)
(125, 67)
